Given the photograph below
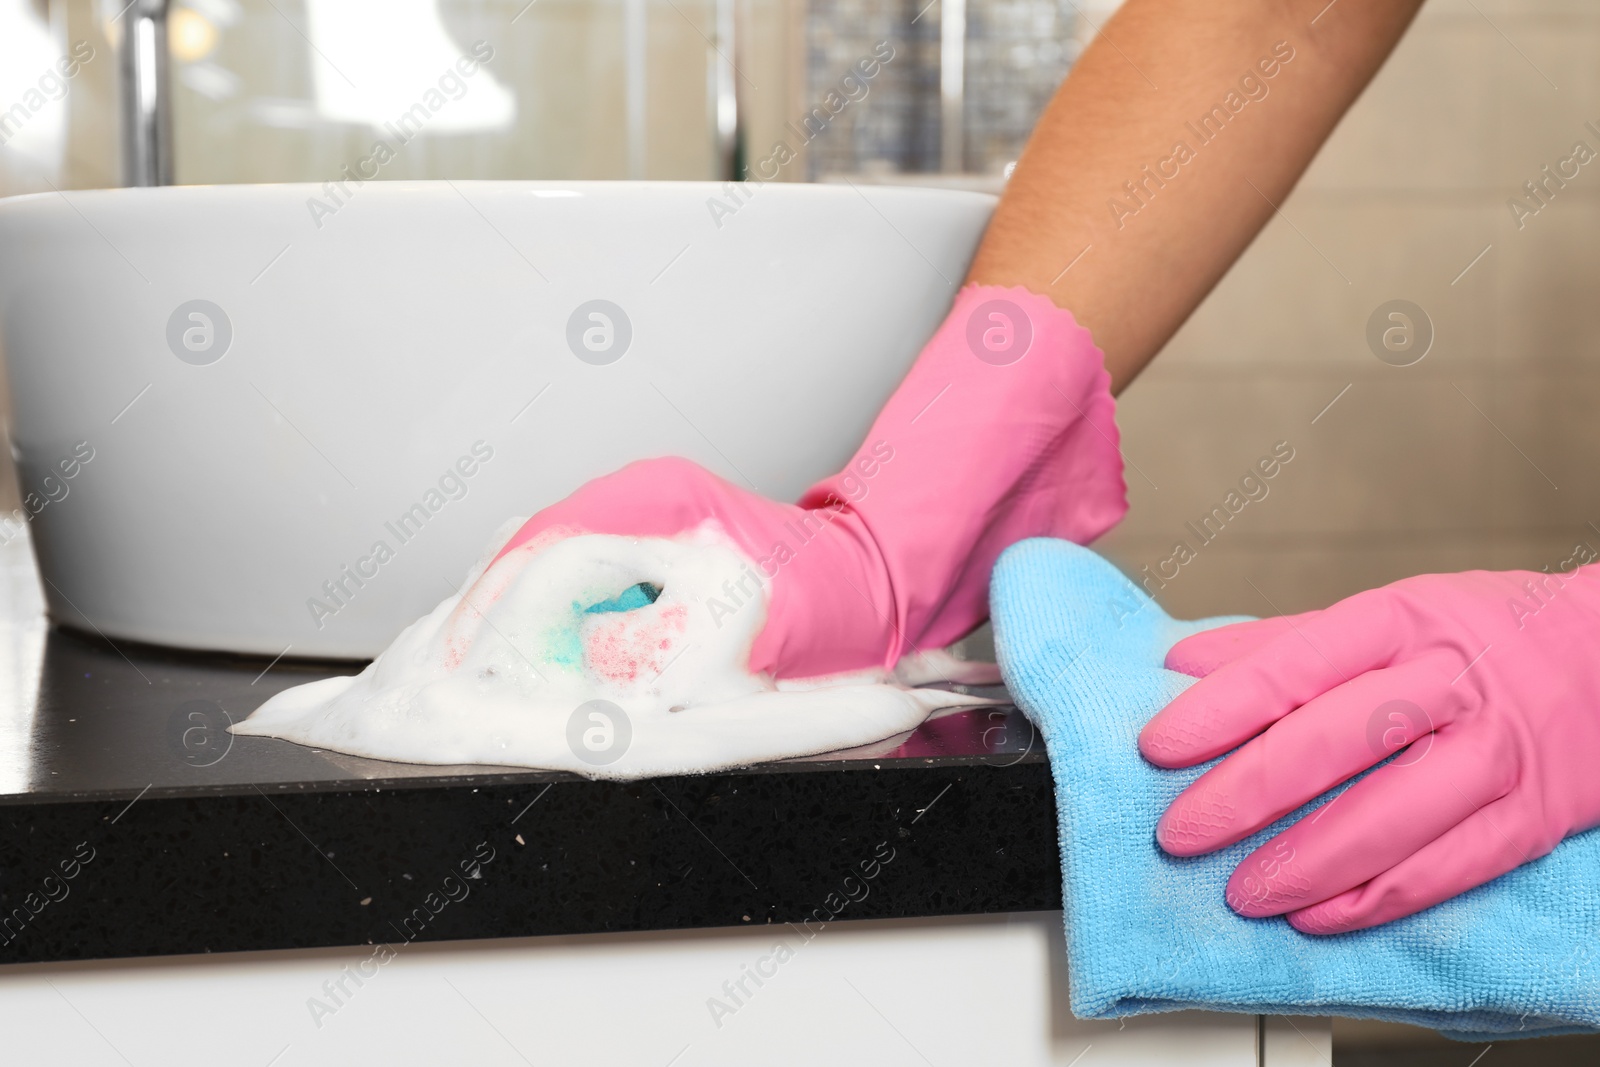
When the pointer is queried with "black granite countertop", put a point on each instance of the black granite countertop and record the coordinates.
(133, 824)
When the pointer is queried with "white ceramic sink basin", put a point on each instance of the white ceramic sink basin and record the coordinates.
(270, 382)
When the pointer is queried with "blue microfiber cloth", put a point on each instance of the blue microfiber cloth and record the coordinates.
(1081, 648)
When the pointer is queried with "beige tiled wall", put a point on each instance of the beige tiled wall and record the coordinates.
(1481, 455)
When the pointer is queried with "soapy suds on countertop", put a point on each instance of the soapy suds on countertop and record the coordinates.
(598, 654)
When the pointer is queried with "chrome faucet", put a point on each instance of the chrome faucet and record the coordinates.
(727, 123)
(952, 86)
(146, 102)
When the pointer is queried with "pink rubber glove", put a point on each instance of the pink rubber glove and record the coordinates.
(1492, 679)
(1002, 430)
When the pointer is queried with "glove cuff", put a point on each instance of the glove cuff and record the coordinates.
(1004, 429)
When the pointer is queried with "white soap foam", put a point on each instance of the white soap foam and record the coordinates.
(519, 670)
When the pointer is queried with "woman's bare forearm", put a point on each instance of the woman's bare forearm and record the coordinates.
(1165, 151)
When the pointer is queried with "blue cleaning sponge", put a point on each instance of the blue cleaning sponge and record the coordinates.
(630, 599)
